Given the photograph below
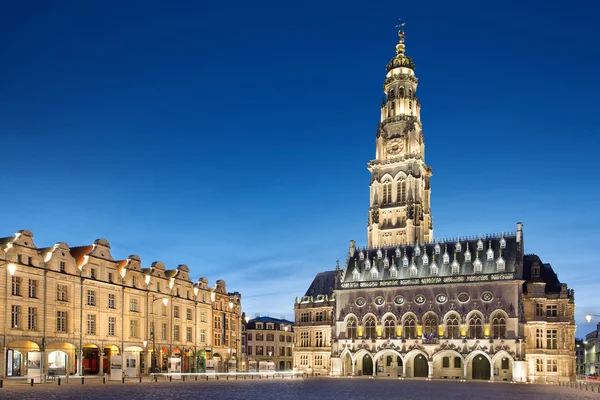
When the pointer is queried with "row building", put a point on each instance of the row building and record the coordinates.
(74, 308)
(407, 305)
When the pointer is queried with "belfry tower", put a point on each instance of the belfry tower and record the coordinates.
(400, 211)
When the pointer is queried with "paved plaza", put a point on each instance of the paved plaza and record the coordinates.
(283, 389)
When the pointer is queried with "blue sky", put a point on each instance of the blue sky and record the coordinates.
(234, 137)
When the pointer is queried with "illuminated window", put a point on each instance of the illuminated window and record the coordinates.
(410, 327)
(370, 328)
(351, 328)
(475, 327)
(452, 327)
(498, 326)
(389, 327)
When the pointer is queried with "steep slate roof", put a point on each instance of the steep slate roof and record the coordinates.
(276, 321)
(547, 274)
(322, 284)
(396, 255)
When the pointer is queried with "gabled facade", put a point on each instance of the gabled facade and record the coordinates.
(79, 306)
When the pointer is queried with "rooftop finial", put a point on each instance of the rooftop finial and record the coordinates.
(401, 33)
(401, 37)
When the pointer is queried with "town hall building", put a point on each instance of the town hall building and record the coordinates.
(408, 305)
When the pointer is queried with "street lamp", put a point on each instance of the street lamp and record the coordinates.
(588, 317)
(165, 301)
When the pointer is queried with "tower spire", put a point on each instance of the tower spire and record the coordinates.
(400, 212)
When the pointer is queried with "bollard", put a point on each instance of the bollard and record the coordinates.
(196, 378)
(206, 377)
(1, 383)
(82, 380)
(183, 378)
(140, 379)
(104, 379)
(59, 381)
(31, 382)
(227, 377)
(217, 377)
(170, 378)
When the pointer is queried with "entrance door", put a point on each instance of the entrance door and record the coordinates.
(421, 367)
(481, 368)
(367, 363)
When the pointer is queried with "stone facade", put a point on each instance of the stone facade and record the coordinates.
(400, 210)
(406, 305)
(269, 344)
(314, 319)
(79, 306)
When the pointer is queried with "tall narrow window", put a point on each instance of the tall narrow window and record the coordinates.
(401, 191)
(111, 326)
(16, 286)
(370, 328)
(61, 293)
(410, 327)
(539, 338)
(351, 328)
(133, 328)
(91, 298)
(452, 327)
(62, 267)
(61, 321)
(111, 300)
(33, 284)
(32, 318)
(387, 193)
(552, 339)
(389, 327)
(475, 327)
(91, 324)
(498, 326)
(15, 317)
(430, 327)
(176, 333)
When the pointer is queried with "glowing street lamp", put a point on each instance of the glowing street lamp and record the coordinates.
(588, 317)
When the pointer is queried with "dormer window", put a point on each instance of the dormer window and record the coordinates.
(393, 272)
(477, 266)
(435, 271)
(500, 264)
(436, 248)
(455, 267)
(490, 254)
(93, 273)
(458, 247)
(398, 254)
(355, 274)
(425, 259)
(413, 270)
(368, 263)
(502, 243)
(379, 254)
(386, 262)
(361, 256)
(259, 325)
(446, 258)
(417, 251)
(374, 273)
(479, 245)
(467, 255)
(405, 261)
